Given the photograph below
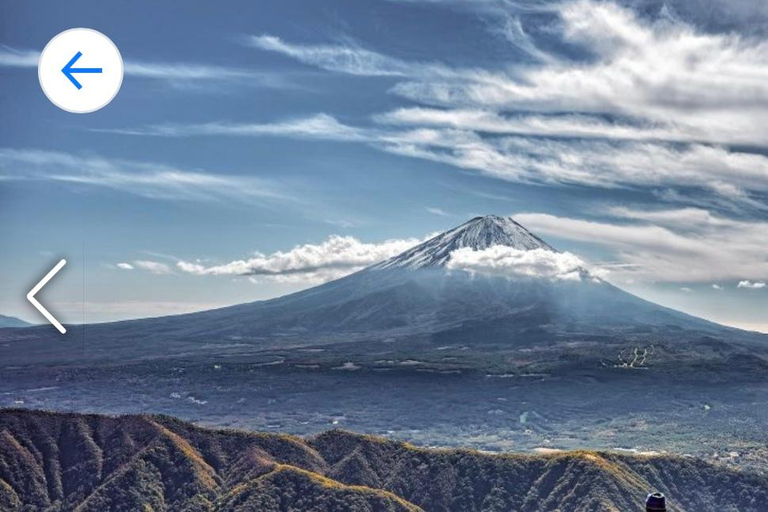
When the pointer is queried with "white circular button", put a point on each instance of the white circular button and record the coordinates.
(80, 70)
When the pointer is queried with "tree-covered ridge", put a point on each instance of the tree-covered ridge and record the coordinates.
(58, 462)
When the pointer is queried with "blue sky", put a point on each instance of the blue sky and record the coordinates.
(260, 148)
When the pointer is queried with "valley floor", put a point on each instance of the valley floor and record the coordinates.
(627, 411)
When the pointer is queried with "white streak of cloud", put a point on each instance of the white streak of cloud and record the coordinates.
(333, 258)
(182, 71)
(341, 58)
(13, 58)
(154, 267)
(729, 175)
(640, 68)
(125, 266)
(151, 180)
(658, 81)
(437, 211)
(170, 71)
(319, 127)
(352, 59)
(561, 125)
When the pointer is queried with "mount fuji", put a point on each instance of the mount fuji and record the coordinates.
(482, 336)
(418, 301)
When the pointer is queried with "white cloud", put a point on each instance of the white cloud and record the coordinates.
(486, 119)
(732, 176)
(595, 163)
(178, 72)
(351, 58)
(717, 287)
(154, 267)
(751, 285)
(651, 104)
(564, 125)
(672, 81)
(347, 58)
(641, 68)
(333, 258)
(709, 248)
(319, 126)
(184, 71)
(147, 179)
(686, 218)
(12, 57)
(646, 85)
(647, 82)
(437, 211)
(125, 266)
(501, 260)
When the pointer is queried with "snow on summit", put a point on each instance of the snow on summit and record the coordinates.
(477, 234)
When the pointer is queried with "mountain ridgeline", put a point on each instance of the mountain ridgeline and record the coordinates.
(9, 321)
(63, 462)
(414, 298)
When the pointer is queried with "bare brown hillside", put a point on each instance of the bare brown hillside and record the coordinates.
(52, 461)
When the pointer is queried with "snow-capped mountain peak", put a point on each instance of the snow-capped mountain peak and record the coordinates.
(478, 233)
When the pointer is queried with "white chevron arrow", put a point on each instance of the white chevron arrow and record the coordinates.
(31, 296)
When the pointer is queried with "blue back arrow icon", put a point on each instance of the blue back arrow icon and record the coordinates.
(68, 70)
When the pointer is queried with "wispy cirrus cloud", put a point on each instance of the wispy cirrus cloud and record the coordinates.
(343, 58)
(437, 211)
(663, 98)
(702, 76)
(147, 179)
(353, 59)
(698, 72)
(686, 245)
(576, 125)
(731, 176)
(319, 126)
(621, 117)
(16, 58)
(175, 72)
(335, 257)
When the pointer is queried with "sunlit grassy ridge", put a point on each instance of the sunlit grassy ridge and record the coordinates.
(51, 461)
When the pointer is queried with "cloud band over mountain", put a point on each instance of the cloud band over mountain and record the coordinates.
(335, 257)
